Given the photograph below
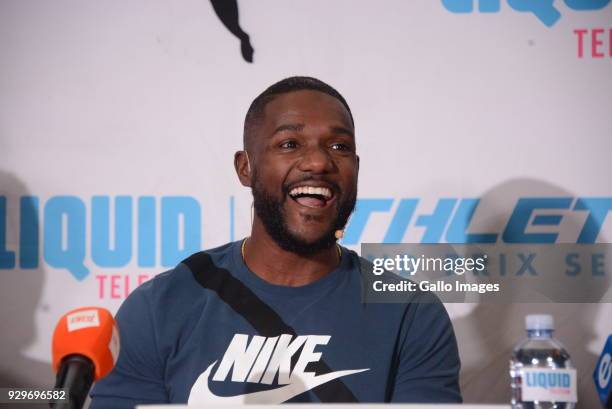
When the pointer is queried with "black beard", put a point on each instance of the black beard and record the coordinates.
(272, 215)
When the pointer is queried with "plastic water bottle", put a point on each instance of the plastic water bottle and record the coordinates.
(542, 376)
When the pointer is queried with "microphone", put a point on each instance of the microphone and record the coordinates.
(85, 348)
(603, 375)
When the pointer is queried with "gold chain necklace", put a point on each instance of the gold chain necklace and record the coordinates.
(245, 240)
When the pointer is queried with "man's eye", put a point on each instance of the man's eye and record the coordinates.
(289, 145)
(340, 147)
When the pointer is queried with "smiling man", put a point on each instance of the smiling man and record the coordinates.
(303, 177)
(277, 317)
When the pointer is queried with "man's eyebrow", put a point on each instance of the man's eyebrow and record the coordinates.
(300, 127)
(288, 127)
(341, 129)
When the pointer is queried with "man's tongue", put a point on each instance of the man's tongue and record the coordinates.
(310, 201)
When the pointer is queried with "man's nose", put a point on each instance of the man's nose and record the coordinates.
(316, 159)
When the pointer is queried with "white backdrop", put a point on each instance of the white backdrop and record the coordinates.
(140, 104)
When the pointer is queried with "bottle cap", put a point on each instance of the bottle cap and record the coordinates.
(542, 322)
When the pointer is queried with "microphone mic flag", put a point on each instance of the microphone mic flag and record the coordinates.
(603, 375)
(85, 348)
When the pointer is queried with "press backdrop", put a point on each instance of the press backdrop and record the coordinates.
(119, 120)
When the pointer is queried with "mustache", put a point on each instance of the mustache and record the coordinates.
(312, 178)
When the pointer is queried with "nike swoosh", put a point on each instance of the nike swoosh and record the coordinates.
(200, 392)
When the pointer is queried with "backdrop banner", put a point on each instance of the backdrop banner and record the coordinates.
(476, 122)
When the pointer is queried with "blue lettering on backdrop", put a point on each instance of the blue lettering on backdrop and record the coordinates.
(587, 5)
(436, 222)
(598, 265)
(66, 211)
(146, 231)
(401, 219)
(547, 220)
(519, 220)
(515, 231)
(28, 232)
(457, 231)
(467, 6)
(544, 10)
(101, 252)
(598, 208)
(64, 228)
(572, 261)
(7, 257)
(360, 217)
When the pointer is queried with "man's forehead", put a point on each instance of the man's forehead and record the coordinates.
(306, 105)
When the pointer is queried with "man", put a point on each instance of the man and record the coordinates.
(278, 316)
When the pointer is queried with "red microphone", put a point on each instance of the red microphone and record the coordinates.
(85, 348)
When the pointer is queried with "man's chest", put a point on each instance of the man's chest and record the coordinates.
(223, 359)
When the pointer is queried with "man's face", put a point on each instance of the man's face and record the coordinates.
(304, 170)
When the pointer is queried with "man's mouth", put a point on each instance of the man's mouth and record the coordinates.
(311, 196)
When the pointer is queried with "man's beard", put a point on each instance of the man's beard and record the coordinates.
(271, 212)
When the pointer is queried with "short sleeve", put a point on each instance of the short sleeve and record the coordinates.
(428, 362)
(138, 376)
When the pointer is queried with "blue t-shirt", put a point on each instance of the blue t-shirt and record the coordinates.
(212, 332)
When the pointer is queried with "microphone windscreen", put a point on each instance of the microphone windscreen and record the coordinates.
(89, 332)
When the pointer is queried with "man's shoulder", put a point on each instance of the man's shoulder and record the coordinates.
(182, 280)
(215, 258)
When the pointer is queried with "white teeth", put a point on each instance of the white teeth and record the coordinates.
(309, 190)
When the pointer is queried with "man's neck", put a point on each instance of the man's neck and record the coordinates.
(264, 257)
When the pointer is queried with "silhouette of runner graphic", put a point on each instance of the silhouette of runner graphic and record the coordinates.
(227, 11)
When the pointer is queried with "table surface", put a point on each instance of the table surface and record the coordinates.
(338, 406)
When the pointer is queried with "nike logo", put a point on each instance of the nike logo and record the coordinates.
(262, 360)
(201, 393)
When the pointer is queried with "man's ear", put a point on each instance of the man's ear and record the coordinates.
(243, 167)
